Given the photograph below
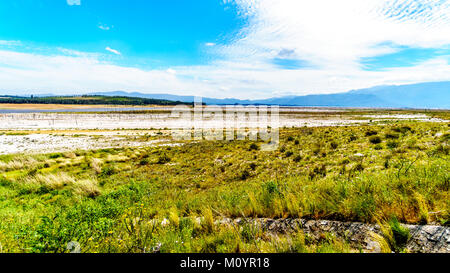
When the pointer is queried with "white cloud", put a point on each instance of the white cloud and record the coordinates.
(68, 74)
(10, 43)
(210, 44)
(113, 50)
(171, 71)
(74, 2)
(330, 35)
(104, 27)
(25, 72)
(333, 33)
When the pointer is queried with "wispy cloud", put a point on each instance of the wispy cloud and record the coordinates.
(10, 43)
(74, 2)
(113, 50)
(83, 73)
(104, 27)
(332, 37)
(333, 33)
(171, 71)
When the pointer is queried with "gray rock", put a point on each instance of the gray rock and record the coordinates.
(426, 238)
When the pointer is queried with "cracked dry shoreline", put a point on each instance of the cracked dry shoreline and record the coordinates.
(424, 238)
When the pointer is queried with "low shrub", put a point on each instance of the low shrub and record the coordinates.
(253, 147)
(375, 139)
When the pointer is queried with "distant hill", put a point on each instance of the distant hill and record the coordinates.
(172, 97)
(88, 100)
(422, 95)
(331, 100)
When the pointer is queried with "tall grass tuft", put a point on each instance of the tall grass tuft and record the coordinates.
(87, 187)
(51, 181)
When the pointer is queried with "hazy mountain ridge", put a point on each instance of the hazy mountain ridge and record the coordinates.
(421, 95)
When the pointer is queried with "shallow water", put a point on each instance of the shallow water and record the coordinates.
(87, 110)
(59, 121)
(110, 125)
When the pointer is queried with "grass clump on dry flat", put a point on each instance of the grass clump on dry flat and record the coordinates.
(171, 199)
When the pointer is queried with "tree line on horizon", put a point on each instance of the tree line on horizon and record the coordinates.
(88, 100)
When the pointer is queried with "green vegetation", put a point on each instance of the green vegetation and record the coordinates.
(89, 100)
(399, 234)
(171, 199)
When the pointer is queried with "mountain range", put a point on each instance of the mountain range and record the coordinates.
(433, 95)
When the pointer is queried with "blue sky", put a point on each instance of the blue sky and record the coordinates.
(221, 48)
(403, 57)
(161, 33)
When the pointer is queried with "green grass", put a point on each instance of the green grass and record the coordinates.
(167, 199)
(400, 235)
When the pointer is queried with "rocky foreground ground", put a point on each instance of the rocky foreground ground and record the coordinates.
(423, 238)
